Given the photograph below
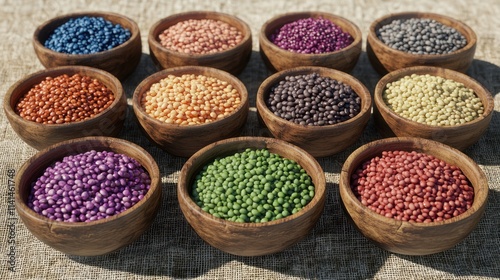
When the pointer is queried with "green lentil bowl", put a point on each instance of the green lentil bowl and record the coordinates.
(432, 103)
(264, 235)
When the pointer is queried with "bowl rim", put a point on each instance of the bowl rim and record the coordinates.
(202, 14)
(134, 33)
(433, 71)
(423, 144)
(152, 170)
(54, 72)
(376, 24)
(183, 183)
(188, 69)
(264, 37)
(366, 98)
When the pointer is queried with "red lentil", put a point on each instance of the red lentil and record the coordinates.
(190, 99)
(412, 186)
(200, 36)
(64, 99)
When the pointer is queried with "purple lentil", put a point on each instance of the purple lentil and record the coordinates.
(421, 36)
(313, 100)
(311, 36)
(78, 188)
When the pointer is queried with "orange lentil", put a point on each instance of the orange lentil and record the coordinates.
(190, 99)
(200, 36)
(64, 99)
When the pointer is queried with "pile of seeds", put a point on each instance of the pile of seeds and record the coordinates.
(200, 36)
(311, 36)
(190, 99)
(421, 36)
(64, 99)
(89, 186)
(86, 35)
(313, 100)
(412, 186)
(252, 186)
(432, 100)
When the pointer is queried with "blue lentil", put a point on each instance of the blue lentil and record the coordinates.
(311, 36)
(86, 35)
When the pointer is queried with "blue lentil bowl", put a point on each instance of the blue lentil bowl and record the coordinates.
(120, 60)
(90, 238)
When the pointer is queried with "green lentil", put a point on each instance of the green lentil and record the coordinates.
(432, 100)
(240, 187)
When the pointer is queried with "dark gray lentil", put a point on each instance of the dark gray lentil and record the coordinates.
(313, 100)
(421, 36)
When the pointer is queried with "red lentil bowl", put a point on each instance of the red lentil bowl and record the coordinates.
(108, 122)
(411, 237)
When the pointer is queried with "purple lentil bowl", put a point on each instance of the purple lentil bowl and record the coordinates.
(88, 238)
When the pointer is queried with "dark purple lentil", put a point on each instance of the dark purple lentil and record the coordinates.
(89, 186)
(86, 35)
(313, 100)
(421, 36)
(311, 36)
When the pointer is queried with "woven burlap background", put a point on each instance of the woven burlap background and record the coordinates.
(170, 249)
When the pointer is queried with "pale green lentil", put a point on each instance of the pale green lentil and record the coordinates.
(433, 100)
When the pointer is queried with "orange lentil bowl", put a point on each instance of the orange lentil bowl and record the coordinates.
(191, 107)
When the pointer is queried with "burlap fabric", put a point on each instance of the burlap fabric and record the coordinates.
(170, 249)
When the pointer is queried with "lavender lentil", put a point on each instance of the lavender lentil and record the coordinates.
(313, 100)
(89, 186)
(311, 36)
(421, 36)
(86, 35)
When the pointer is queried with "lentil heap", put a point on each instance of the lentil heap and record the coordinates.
(421, 36)
(311, 36)
(252, 186)
(412, 186)
(64, 99)
(86, 35)
(190, 99)
(89, 186)
(432, 100)
(200, 36)
(312, 99)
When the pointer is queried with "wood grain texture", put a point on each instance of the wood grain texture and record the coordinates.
(120, 61)
(458, 136)
(107, 123)
(413, 238)
(251, 239)
(386, 59)
(185, 140)
(319, 141)
(232, 60)
(96, 237)
(278, 59)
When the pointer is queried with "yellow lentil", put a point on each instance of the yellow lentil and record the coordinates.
(432, 100)
(190, 99)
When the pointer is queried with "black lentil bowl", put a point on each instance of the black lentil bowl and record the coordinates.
(319, 140)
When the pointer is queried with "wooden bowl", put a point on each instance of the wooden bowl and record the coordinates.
(411, 238)
(120, 61)
(278, 59)
(95, 237)
(319, 141)
(251, 239)
(386, 59)
(458, 136)
(185, 140)
(232, 60)
(107, 123)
